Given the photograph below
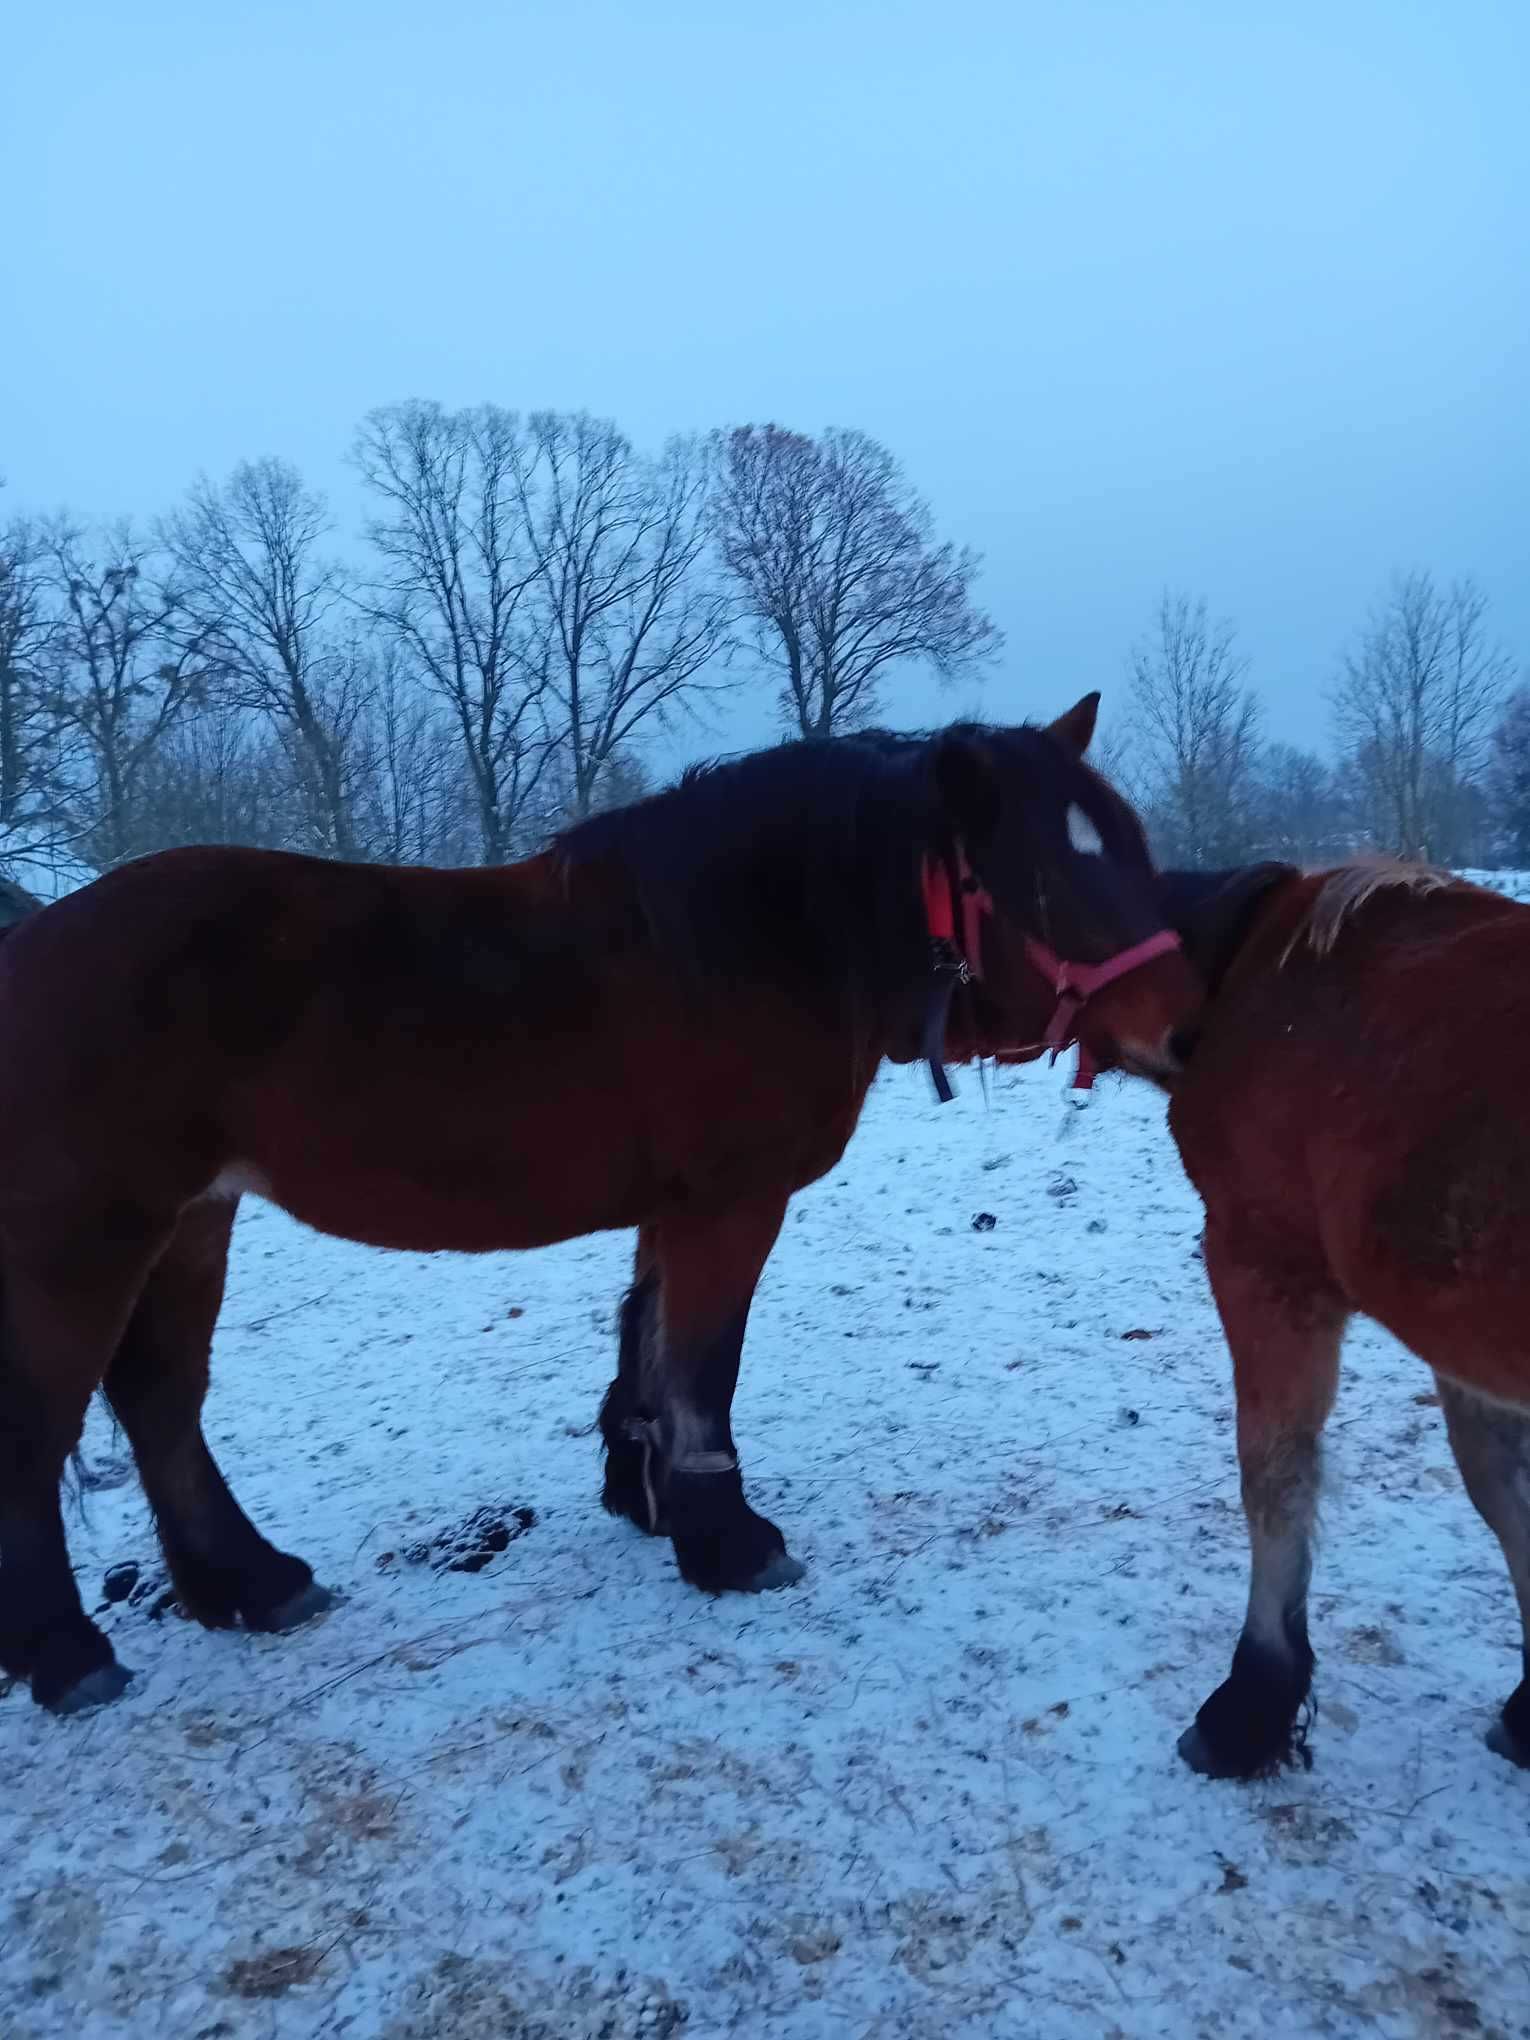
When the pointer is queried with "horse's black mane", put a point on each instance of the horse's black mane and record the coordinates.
(1213, 911)
(799, 859)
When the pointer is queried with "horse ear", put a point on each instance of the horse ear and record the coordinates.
(1210, 911)
(1076, 728)
(968, 786)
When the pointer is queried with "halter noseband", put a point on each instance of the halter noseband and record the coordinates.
(957, 960)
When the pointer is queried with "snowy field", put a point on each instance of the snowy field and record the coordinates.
(930, 1791)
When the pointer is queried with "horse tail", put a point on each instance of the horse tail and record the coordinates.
(18, 905)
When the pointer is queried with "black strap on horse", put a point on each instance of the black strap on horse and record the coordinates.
(953, 959)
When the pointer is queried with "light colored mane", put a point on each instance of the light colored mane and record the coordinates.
(1345, 890)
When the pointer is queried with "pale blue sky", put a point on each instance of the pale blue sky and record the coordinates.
(1231, 296)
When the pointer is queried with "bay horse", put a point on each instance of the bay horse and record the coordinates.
(669, 1020)
(1352, 1159)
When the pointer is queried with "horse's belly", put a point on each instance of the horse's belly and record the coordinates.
(455, 1181)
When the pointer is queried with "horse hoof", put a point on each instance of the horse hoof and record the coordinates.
(1503, 1742)
(1196, 1752)
(781, 1571)
(298, 1608)
(1196, 1747)
(97, 1689)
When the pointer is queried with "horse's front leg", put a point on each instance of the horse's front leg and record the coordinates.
(707, 1269)
(626, 1420)
(1284, 1322)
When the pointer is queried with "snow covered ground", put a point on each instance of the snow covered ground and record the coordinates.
(930, 1791)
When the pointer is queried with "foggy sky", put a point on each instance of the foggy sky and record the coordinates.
(1233, 298)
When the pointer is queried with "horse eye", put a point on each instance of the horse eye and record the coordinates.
(1082, 833)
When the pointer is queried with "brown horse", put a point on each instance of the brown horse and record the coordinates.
(668, 1021)
(1350, 1162)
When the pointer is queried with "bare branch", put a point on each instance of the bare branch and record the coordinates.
(1196, 729)
(1414, 708)
(831, 551)
(453, 583)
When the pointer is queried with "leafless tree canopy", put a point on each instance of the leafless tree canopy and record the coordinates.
(1508, 776)
(1299, 812)
(628, 613)
(128, 660)
(452, 583)
(32, 779)
(1414, 709)
(535, 597)
(555, 588)
(1195, 729)
(253, 576)
(832, 557)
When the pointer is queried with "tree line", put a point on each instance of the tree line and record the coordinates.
(1429, 752)
(531, 598)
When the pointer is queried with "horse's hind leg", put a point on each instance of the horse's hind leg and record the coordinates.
(1492, 1448)
(708, 1268)
(45, 1634)
(625, 1419)
(63, 1311)
(1284, 1325)
(224, 1571)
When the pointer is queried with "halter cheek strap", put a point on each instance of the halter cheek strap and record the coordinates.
(1076, 983)
(952, 895)
(954, 959)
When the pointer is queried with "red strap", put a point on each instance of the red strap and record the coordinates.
(940, 908)
(1081, 981)
(1073, 983)
(939, 918)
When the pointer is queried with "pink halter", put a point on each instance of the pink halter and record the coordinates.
(959, 956)
(1076, 983)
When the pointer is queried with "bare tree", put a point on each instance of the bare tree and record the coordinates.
(454, 583)
(256, 580)
(629, 615)
(1508, 778)
(222, 778)
(832, 553)
(1414, 709)
(126, 663)
(1196, 734)
(32, 768)
(1299, 812)
(412, 805)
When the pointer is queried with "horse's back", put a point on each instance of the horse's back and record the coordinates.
(195, 999)
(1354, 1109)
(467, 1060)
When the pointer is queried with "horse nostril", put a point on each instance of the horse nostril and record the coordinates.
(1183, 1042)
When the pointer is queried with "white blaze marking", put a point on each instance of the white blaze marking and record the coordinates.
(1082, 833)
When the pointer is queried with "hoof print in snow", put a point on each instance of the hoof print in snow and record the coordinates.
(104, 1475)
(129, 1585)
(1062, 1186)
(1137, 1332)
(470, 1545)
(984, 1222)
(119, 1582)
